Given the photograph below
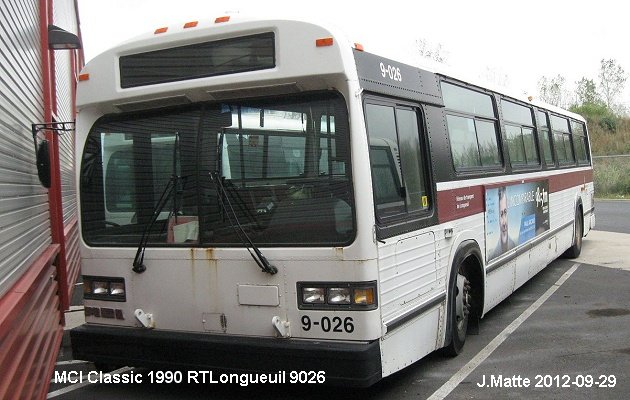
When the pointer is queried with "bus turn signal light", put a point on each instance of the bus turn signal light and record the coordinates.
(222, 19)
(328, 41)
(364, 296)
(190, 24)
(160, 30)
(84, 77)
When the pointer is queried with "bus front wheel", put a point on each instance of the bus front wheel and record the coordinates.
(459, 309)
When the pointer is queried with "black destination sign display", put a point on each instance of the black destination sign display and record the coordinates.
(219, 57)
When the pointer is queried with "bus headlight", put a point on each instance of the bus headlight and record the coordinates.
(104, 288)
(100, 287)
(311, 295)
(339, 295)
(117, 289)
(360, 296)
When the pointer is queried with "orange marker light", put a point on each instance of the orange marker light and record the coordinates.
(84, 77)
(324, 42)
(160, 30)
(222, 19)
(190, 24)
(358, 46)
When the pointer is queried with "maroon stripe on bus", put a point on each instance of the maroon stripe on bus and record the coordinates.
(459, 203)
(463, 202)
(572, 179)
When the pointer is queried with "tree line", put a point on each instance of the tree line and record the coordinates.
(598, 99)
(599, 96)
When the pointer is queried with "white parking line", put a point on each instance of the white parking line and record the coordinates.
(456, 379)
(71, 362)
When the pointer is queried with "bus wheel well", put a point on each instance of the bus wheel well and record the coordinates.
(467, 265)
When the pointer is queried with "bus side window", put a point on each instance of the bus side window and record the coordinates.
(519, 128)
(411, 159)
(545, 138)
(579, 141)
(385, 160)
(398, 173)
(562, 140)
(472, 128)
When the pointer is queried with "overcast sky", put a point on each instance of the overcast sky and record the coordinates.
(512, 42)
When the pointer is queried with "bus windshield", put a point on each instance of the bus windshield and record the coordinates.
(284, 165)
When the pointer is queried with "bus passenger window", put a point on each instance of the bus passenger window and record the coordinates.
(579, 140)
(519, 127)
(463, 141)
(562, 140)
(545, 138)
(472, 128)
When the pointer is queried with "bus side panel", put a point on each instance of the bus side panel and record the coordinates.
(540, 256)
(407, 272)
(409, 344)
(499, 285)
(588, 203)
(562, 211)
(561, 216)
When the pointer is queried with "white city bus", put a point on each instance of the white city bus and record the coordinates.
(260, 196)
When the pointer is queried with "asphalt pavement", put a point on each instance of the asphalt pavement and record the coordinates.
(612, 215)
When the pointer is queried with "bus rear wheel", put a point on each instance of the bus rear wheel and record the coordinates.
(459, 307)
(578, 232)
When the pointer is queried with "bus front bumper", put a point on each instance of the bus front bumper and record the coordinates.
(344, 363)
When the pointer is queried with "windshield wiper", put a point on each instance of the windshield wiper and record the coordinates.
(171, 186)
(253, 250)
(138, 265)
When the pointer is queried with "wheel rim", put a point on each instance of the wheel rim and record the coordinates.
(462, 305)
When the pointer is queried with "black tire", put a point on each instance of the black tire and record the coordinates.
(458, 311)
(578, 233)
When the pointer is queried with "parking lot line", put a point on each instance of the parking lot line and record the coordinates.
(460, 375)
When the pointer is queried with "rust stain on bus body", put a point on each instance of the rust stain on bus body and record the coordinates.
(339, 252)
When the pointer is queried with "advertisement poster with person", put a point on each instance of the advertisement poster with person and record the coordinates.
(515, 214)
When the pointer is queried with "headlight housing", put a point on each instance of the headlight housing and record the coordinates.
(360, 296)
(104, 288)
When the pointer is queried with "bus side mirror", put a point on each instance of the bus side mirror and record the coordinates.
(42, 147)
(42, 153)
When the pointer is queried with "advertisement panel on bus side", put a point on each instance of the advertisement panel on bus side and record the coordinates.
(515, 214)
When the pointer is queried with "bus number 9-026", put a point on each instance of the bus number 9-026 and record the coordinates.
(326, 324)
(392, 72)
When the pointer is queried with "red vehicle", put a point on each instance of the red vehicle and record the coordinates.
(39, 254)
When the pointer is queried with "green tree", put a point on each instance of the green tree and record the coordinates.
(586, 92)
(612, 80)
(552, 90)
